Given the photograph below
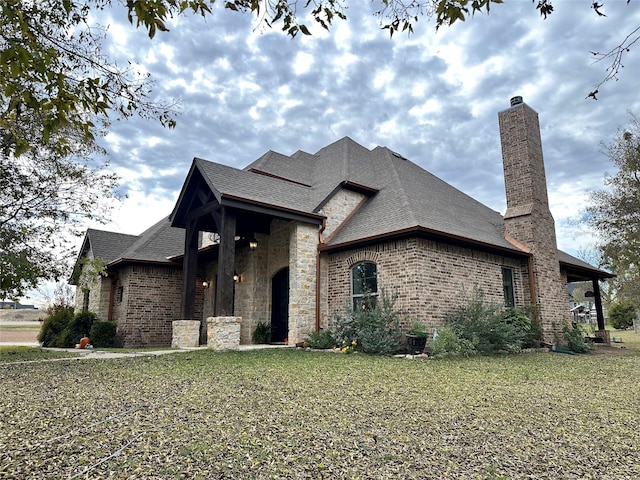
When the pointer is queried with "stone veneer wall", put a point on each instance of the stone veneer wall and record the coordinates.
(99, 295)
(302, 280)
(429, 277)
(150, 303)
(252, 300)
(251, 292)
(339, 207)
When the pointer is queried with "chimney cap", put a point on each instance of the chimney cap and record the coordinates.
(517, 100)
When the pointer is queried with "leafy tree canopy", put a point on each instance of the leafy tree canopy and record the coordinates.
(614, 213)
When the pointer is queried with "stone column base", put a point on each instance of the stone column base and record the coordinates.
(186, 334)
(605, 335)
(223, 333)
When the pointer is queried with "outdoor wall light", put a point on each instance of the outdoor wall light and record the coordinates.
(253, 243)
(205, 284)
(236, 277)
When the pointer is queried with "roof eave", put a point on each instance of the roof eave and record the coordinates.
(587, 273)
(426, 233)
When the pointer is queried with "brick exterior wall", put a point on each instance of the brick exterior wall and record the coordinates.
(151, 297)
(528, 218)
(429, 277)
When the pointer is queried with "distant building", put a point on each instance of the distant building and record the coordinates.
(16, 306)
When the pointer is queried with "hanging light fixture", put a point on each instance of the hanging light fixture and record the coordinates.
(253, 243)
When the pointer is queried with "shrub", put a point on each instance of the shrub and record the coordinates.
(77, 328)
(321, 340)
(446, 342)
(374, 330)
(522, 318)
(54, 324)
(621, 314)
(103, 334)
(262, 333)
(487, 327)
(574, 337)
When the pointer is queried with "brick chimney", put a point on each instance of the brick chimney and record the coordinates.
(528, 219)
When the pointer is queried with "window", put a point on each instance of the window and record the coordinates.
(119, 294)
(85, 301)
(507, 287)
(364, 285)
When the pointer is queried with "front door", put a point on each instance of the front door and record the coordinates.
(280, 305)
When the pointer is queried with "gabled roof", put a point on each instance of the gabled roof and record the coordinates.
(106, 245)
(154, 245)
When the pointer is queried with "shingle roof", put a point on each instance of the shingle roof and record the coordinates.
(252, 186)
(408, 197)
(156, 244)
(107, 245)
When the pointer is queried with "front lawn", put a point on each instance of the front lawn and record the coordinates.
(282, 413)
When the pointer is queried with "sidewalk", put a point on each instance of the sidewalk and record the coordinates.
(92, 353)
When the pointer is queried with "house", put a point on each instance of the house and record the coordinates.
(291, 240)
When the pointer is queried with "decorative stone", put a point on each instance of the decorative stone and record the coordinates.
(223, 333)
(186, 334)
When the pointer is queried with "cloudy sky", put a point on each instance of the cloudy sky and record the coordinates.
(432, 97)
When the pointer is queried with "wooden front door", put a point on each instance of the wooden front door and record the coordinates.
(280, 305)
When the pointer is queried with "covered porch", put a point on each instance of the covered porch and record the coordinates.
(244, 258)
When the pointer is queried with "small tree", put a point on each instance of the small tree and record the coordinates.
(622, 314)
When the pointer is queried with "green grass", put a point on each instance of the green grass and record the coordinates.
(10, 354)
(26, 326)
(282, 413)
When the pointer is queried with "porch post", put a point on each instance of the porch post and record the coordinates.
(598, 300)
(189, 270)
(226, 261)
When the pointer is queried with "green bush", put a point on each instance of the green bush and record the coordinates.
(57, 319)
(574, 338)
(321, 340)
(487, 327)
(375, 329)
(621, 314)
(77, 328)
(262, 333)
(522, 319)
(446, 342)
(103, 334)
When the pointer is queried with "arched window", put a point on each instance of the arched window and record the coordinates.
(364, 285)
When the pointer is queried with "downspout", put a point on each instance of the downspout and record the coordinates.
(532, 290)
(318, 273)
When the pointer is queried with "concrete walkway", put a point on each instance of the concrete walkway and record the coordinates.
(93, 353)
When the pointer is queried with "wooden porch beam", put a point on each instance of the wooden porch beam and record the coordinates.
(226, 262)
(189, 270)
(598, 300)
